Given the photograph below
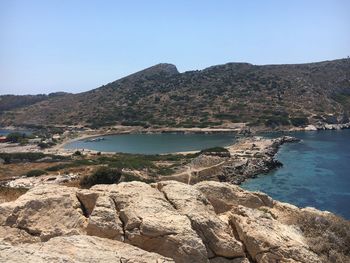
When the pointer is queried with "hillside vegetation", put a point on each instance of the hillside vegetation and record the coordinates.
(271, 95)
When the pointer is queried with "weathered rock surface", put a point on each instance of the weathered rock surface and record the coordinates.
(45, 211)
(78, 249)
(268, 240)
(225, 196)
(167, 221)
(214, 232)
(153, 224)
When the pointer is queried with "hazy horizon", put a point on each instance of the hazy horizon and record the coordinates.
(77, 46)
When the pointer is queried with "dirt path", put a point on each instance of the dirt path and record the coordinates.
(190, 170)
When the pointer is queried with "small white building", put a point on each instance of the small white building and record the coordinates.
(56, 136)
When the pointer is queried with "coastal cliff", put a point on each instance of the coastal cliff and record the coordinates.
(166, 222)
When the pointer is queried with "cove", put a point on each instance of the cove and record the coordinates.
(315, 172)
(154, 143)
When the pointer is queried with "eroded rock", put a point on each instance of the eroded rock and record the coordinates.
(77, 249)
(225, 196)
(153, 224)
(45, 211)
(215, 233)
(209, 222)
(269, 241)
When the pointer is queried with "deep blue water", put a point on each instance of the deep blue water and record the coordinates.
(154, 143)
(316, 172)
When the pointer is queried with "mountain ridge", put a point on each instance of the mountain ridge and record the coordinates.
(265, 95)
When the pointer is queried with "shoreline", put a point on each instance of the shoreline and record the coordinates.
(61, 147)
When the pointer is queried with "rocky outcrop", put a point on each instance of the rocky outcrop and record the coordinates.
(167, 221)
(225, 196)
(326, 126)
(251, 157)
(268, 240)
(153, 224)
(78, 249)
(215, 233)
(45, 211)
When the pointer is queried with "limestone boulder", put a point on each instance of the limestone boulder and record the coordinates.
(150, 222)
(104, 220)
(215, 233)
(16, 236)
(78, 249)
(45, 211)
(225, 196)
(269, 241)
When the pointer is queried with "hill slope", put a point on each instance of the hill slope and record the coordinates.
(268, 95)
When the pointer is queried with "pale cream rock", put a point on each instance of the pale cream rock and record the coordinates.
(45, 211)
(153, 224)
(269, 241)
(224, 196)
(78, 249)
(214, 232)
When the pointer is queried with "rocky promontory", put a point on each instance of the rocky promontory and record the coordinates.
(247, 158)
(166, 221)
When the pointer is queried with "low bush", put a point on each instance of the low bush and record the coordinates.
(27, 157)
(328, 236)
(34, 173)
(103, 175)
(43, 145)
(215, 149)
(299, 121)
(127, 177)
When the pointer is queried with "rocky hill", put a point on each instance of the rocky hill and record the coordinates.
(271, 95)
(166, 222)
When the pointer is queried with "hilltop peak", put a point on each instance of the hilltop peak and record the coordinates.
(161, 68)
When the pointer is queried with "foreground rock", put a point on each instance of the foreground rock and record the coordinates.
(163, 222)
(78, 249)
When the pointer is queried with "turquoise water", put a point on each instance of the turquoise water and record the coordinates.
(316, 172)
(154, 143)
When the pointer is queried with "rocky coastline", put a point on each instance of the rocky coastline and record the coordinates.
(245, 159)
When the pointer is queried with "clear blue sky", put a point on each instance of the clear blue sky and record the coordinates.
(71, 45)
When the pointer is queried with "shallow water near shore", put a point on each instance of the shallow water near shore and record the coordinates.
(153, 143)
(316, 172)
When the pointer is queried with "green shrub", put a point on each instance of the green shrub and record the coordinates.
(77, 153)
(28, 157)
(15, 137)
(299, 121)
(103, 175)
(43, 145)
(127, 177)
(272, 121)
(34, 173)
(215, 149)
